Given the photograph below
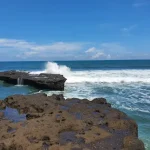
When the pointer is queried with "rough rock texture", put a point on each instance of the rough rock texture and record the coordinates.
(2, 105)
(1, 115)
(54, 123)
(42, 81)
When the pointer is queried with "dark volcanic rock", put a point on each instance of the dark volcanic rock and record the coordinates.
(2, 105)
(41, 81)
(58, 124)
(99, 101)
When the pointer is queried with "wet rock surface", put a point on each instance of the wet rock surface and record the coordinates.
(56, 123)
(41, 81)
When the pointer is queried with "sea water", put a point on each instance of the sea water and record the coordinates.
(124, 83)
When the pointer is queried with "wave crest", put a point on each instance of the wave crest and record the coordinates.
(54, 68)
(99, 76)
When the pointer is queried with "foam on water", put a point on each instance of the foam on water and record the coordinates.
(107, 76)
(54, 68)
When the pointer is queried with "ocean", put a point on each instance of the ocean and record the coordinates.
(124, 83)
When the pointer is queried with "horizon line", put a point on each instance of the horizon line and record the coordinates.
(70, 60)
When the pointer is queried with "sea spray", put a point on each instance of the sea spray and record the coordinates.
(97, 76)
(54, 68)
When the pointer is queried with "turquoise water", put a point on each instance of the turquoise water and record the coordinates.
(125, 84)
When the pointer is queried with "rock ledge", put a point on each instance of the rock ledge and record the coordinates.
(41, 81)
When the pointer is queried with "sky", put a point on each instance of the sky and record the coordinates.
(74, 30)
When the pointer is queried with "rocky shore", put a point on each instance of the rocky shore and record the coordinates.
(41, 81)
(56, 123)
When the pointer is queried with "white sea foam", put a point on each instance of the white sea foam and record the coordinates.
(54, 68)
(100, 76)
(134, 109)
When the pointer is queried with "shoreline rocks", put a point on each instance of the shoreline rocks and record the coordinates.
(56, 123)
(41, 81)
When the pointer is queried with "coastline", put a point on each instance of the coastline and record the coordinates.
(124, 85)
(53, 122)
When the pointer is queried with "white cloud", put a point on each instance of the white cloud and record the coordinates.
(108, 56)
(21, 49)
(113, 47)
(30, 53)
(13, 43)
(108, 50)
(101, 55)
(57, 46)
(91, 50)
(98, 55)
(95, 53)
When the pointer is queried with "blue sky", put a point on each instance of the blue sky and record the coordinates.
(74, 29)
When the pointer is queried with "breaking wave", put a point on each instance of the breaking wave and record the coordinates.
(98, 76)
